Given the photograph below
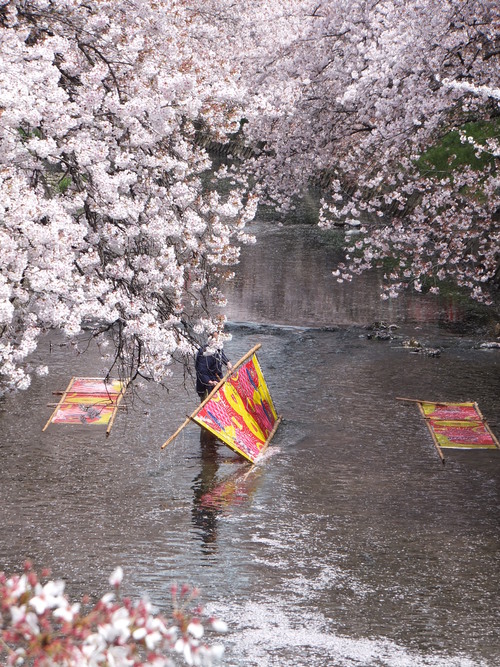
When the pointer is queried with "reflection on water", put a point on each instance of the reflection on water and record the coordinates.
(214, 492)
(205, 515)
(351, 545)
(287, 279)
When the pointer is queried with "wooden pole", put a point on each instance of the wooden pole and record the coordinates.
(85, 393)
(52, 405)
(434, 439)
(427, 421)
(216, 388)
(271, 435)
(417, 400)
(117, 405)
(61, 401)
(487, 427)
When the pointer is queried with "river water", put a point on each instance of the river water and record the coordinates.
(351, 544)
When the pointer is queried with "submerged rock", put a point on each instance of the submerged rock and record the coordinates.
(381, 331)
(412, 343)
(416, 347)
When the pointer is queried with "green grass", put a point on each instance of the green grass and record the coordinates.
(64, 184)
(450, 154)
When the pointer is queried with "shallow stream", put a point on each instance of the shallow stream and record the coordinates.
(351, 544)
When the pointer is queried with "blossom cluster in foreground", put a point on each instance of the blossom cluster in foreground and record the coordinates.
(40, 626)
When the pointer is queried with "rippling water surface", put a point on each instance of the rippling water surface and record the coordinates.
(350, 544)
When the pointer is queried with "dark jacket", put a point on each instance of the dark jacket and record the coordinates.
(208, 368)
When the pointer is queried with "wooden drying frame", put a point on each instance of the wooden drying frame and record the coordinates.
(431, 431)
(214, 390)
(68, 390)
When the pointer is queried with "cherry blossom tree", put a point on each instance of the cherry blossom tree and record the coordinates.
(107, 221)
(350, 96)
(40, 626)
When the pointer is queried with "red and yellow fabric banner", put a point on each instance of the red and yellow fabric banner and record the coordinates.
(89, 401)
(456, 426)
(241, 412)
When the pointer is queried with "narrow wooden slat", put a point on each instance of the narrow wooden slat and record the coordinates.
(271, 435)
(60, 402)
(431, 430)
(117, 405)
(417, 400)
(487, 426)
(51, 405)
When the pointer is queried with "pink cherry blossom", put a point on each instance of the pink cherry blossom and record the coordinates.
(114, 219)
(39, 625)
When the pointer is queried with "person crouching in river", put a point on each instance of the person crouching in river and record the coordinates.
(209, 370)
